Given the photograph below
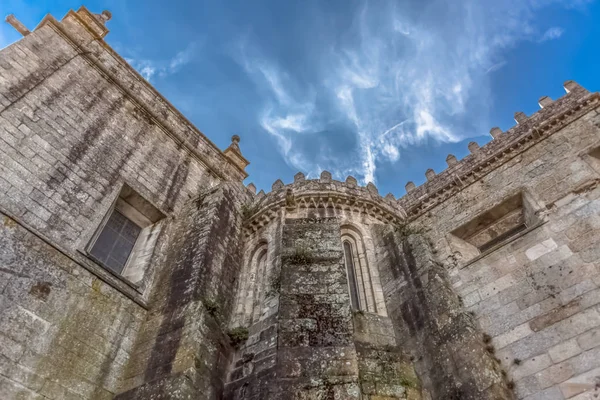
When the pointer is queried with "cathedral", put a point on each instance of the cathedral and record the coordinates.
(135, 264)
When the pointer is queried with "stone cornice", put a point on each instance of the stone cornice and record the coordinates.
(499, 151)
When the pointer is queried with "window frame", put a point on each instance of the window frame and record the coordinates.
(352, 280)
(145, 223)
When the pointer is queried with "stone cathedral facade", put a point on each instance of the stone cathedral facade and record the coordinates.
(135, 264)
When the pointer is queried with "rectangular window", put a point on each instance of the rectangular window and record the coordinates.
(125, 241)
(115, 242)
(495, 226)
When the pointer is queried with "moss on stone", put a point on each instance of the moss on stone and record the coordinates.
(238, 335)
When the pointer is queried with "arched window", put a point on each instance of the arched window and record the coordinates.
(253, 286)
(363, 278)
(353, 285)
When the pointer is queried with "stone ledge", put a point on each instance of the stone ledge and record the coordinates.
(118, 283)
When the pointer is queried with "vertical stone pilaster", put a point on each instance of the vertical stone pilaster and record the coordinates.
(182, 351)
(316, 353)
(447, 344)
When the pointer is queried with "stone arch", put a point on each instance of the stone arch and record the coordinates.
(359, 259)
(253, 284)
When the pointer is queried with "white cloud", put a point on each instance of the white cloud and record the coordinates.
(401, 75)
(149, 69)
(551, 34)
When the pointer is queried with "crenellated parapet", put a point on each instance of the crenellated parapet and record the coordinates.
(504, 146)
(324, 194)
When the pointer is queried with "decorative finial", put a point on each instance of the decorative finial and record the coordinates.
(103, 17)
(351, 181)
(251, 187)
(410, 186)
(234, 153)
(299, 177)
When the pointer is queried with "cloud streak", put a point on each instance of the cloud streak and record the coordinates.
(552, 34)
(150, 69)
(399, 76)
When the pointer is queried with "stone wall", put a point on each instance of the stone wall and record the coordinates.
(77, 124)
(183, 348)
(64, 333)
(483, 280)
(536, 294)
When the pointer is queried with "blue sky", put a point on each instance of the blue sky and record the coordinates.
(381, 90)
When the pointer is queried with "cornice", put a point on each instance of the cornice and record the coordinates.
(274, 204)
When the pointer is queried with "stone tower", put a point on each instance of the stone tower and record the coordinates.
(134, 264)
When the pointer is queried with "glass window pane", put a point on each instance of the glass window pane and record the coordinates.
(351, 276)
(115, 243)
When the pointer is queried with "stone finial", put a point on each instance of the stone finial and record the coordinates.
(451, 160)
(251, 188)
(261, 193)
(18, 25)
(104, 16)
(571, 86)
(390, 197)
(278, 184)
(520, 117)
(325, 176)
(235, 155)
(473, 147)
(410, 186)
(430, 174)
(544, 101)
(351, 181)
(495, 132)
(299, 177)
(372, 188)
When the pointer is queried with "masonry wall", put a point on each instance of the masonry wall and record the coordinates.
(64, 333)
(76, 124)
(182, 350)
(538, 294)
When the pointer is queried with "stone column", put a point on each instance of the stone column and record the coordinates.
(316, 353)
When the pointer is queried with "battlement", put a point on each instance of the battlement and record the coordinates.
(324, 192)
(504, 146)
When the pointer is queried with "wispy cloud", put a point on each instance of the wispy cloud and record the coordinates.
(151, 69)
(401, 75)
(551, 34)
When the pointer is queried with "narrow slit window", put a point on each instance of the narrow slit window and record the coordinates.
(348, 256)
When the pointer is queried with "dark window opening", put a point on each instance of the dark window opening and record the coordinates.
(351, 276)
(115, 242)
